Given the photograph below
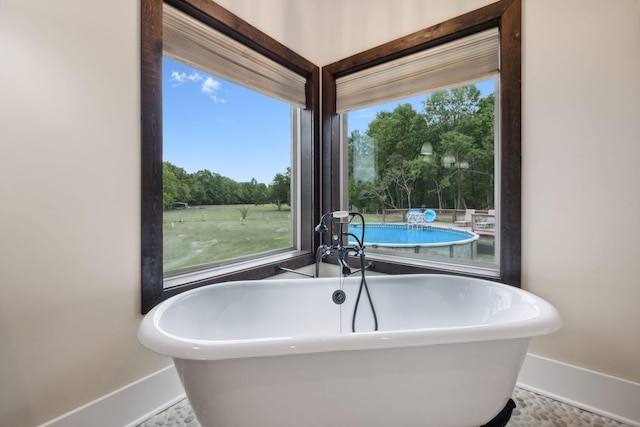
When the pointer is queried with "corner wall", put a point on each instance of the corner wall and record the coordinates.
(581, 178)
(70, 196)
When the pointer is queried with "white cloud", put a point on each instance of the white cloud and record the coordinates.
(194, 77)
(179, 78)
(210, 87)
(218, 100)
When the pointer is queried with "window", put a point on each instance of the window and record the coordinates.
(417, 167)
(199, 197)
(404, 158)
(320, 175)
(227, 187)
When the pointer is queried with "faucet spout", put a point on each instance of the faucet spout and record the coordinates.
(346, 270)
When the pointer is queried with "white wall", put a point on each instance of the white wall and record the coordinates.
(581, 178)
(70, 192)
(325, 31)
(70, 206)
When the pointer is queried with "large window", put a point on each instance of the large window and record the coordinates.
(422, 170)
(428, 126)
(227, 129)
(447, 171)
(227, 169)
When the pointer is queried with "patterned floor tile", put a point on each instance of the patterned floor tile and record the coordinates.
(532, 410)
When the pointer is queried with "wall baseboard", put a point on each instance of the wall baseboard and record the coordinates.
(602, 394)
(128, 406)
(595, 392)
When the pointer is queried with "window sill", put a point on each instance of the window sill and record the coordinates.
(255, 268)
(395, 264)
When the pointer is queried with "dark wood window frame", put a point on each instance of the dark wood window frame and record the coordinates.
(211, 14)
(323, 162)
(506, 15)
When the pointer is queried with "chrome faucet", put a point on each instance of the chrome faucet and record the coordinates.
(342, 251)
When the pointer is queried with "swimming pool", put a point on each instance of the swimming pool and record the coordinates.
(429, 240)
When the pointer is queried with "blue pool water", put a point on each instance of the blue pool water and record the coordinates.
(401, 234)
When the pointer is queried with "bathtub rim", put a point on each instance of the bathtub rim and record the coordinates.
(151, 335)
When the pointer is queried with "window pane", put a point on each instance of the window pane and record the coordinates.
(227, 154)
(425, 157)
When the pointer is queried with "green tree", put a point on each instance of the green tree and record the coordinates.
(398, 137)
(209, 188)
(169, 185)
(457, 159)
(461, 128)
(280, 189)
(176, 184)
(259, 194)
(203, 187)
(244, 211)
(459, 125)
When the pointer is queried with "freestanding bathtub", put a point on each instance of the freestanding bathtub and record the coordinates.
(281, 353)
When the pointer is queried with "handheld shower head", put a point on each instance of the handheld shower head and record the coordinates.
(322, 225)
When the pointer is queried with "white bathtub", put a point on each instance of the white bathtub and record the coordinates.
(281, 353)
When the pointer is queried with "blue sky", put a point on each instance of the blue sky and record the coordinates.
(210, 123)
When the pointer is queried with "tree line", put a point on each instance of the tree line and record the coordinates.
(209, 188)
(442, 157)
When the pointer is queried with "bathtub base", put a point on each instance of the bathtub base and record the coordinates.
(450, 385)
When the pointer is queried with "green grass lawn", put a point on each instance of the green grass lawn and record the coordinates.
(204, 234)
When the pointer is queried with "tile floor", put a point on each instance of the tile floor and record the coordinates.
(532, 410)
